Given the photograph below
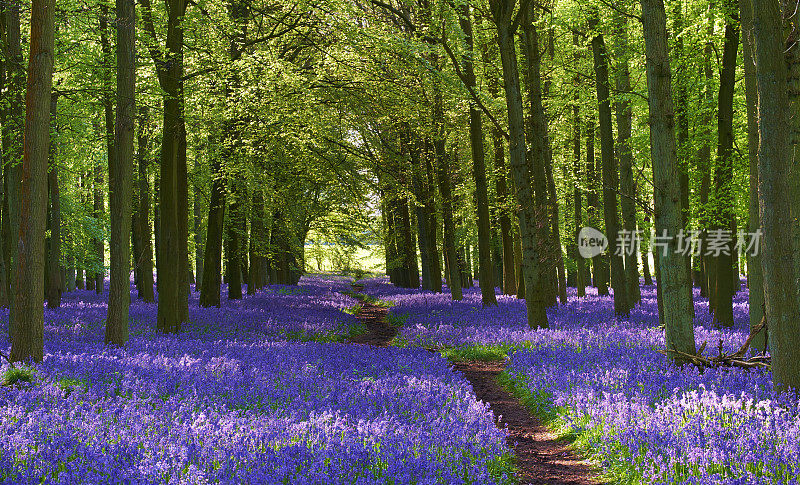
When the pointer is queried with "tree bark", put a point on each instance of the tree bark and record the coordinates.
(609, 169)
(673, 280)
(774, 160)
(755, 276)
(444, 176)
(627, 188)
(723, 176)
(120, 170)
(13, 133)
(212, 267)
(502, 13)
(171, 263)
(485, 276)
(144, 258)
(53, 269)
(197, 214)
(27, 313)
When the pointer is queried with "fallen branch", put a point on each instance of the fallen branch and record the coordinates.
(735, 359)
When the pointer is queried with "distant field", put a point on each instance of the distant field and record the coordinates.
(338, 258)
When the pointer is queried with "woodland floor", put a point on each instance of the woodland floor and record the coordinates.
(541, 458)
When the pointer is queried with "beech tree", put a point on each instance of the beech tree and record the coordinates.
(27, 312)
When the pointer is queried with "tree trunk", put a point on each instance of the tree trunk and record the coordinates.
(723, 177)
(599, 269)
(171, 262)
(212, 267)
(503, 204)
(673, 280)
(13, 127)
(182, 190)
(755, 276)
(233, 248)
(444, 178)
(485, 276)
(120, 172)
(536, 156)
(421, 195)
(704, 160)
(682, 119)
(502, 13)
(27, 313)
(774, 160)
(610, 174)
(111, 151)
(433, 224)
(577, 203)
(627, 187)
(53, 269)
(197, 214)
(144, 258)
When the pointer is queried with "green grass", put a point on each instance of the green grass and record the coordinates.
(353, 310)
(68, 385)
(13, 375)
(350, 332)
(364, 298)
(483, 353)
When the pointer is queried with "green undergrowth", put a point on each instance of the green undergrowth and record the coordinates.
(351, 332)
(483, 353)
(13, 375)
(369, 299)
(354, 310)
(68, 385)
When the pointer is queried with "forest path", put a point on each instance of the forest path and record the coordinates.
(379, 332)
(541, 458)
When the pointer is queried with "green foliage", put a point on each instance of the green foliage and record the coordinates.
(13, 375)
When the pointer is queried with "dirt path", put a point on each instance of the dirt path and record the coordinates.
(541, 459)
(379, 333)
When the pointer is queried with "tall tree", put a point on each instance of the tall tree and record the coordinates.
(143, 259)
(723, 173)
(673, 280)
(503, 15)
(755, 277)
(169, 69)
(54, 284)
(774, 160)
(120, 173)
(624, 115)
(609, 170)
(13, 131)
(27, 312)
(486, 276)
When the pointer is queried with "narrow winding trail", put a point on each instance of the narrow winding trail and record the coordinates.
(541, 458)
(379, 332)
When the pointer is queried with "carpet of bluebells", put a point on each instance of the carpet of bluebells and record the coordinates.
(258, 391)
(642, 419)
